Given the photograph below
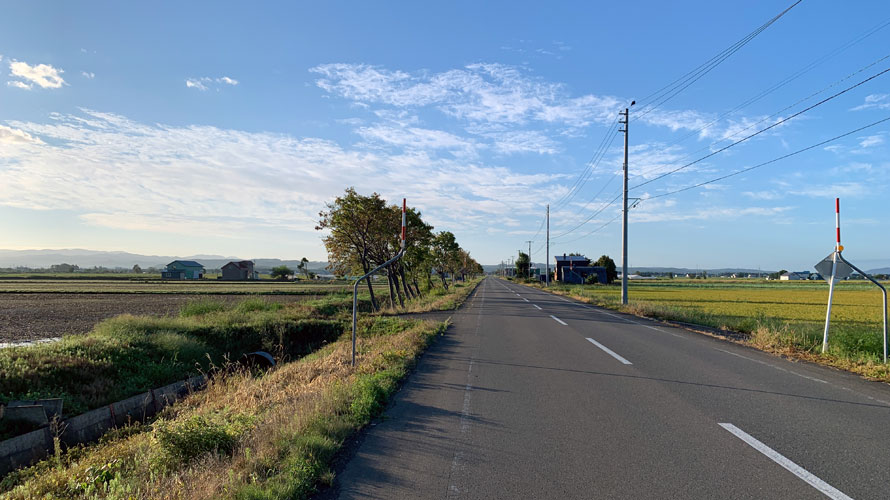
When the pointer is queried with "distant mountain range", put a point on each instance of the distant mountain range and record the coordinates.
(93, 258)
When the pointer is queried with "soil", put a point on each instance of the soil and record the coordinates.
(34, 316)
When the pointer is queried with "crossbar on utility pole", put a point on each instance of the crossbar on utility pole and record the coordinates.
(626, 121)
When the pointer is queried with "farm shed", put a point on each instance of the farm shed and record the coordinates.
(576, 268)
(795, 276)
(183, 270)
(239, 271)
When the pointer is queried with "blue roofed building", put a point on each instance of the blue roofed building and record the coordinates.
(183, 270)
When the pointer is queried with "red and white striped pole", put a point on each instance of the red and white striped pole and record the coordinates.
(837, 223)
(837, 248)
(404, 212)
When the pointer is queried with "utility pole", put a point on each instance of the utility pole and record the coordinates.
(547, 279)
(625, 122)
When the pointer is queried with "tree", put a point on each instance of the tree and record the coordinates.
(302, 267)
(445, 255)
(522, 265)
(354, 222)
(281, 272)
(137, 269)
(609, 264)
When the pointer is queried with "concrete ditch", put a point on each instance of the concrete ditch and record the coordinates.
(26, 449)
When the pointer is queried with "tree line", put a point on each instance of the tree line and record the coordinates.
(364, 232)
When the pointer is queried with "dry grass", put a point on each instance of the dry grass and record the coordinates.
(246, 435)
(281, 406)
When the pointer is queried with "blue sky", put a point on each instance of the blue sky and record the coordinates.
(222, 128)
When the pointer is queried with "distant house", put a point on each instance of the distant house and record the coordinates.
(183, 270)
(576, 268)
(239, 271)
(789, 276)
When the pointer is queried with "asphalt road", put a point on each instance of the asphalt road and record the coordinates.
(531, 395)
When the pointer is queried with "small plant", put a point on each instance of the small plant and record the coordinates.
(183, 441)
(201, 307)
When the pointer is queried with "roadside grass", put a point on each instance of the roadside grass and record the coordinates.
(786, 319)
(127, 355)
(437, 299)
(246, 436)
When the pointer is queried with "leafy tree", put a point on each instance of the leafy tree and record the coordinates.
(445, 254)
(609, 264)
(137, 269)
(302, 267)
(522, 265)
(281, 272)
(355, 225)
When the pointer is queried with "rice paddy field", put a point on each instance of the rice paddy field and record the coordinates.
(780, 315)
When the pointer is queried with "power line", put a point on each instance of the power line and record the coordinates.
(786, 108)
(774, 160)
(786, 81)
(674, 88)
(823, 101)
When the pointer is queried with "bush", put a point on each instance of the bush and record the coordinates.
(183, 441)
(201, 307)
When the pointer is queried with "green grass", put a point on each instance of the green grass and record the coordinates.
(247, 435)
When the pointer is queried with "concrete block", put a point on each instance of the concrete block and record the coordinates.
(135, 408)
(53, 407)
(32, 414)
(87, 427)
(24, 450)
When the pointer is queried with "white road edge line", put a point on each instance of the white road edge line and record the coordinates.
(823, 487)
(608, 351)
(561, 322)
(814, 379)
(536, 305)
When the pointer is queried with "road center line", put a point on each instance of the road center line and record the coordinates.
(561, 322)
(525, 299)
(536, 305)
(823, 487)
(608, 351)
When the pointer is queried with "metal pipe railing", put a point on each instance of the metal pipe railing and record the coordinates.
(355, 295)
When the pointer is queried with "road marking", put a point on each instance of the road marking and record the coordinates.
(814, 379)
(536, 305)
(608, 351)
(561, 322)
(525, 299)
(825, 488)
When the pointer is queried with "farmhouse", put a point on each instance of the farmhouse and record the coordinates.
(795, 276)
(576, 268)
(239, 271)
(183, 270)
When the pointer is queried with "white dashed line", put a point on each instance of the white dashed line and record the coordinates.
(525, 299)
(536, 305)
(823, 487)
(561, 322)
(608, 351)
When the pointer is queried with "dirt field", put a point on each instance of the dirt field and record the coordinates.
(32, 316)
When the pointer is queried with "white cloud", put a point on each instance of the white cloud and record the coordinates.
(523, 141)
(43, 75)
(117, 173)
(18, 84)
(10, 135)
(416, 138)
(88, 75)
(874, 101)
(195, 84)
(872, 140)
(206, 82)
(477, 93)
